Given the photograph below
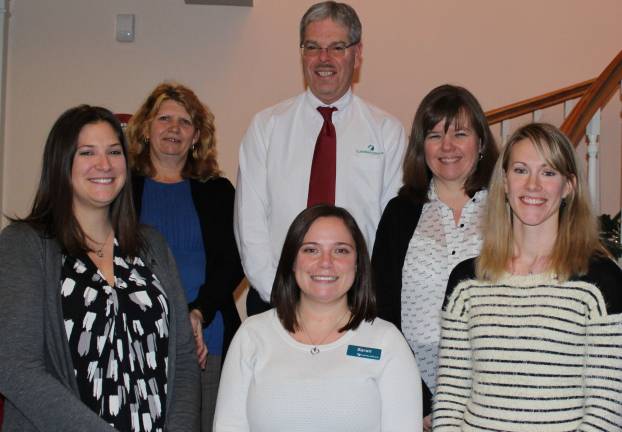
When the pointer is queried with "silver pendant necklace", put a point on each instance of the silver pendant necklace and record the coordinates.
(315, 347)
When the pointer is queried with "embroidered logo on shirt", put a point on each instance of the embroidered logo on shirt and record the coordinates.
(364, 352)
(370, 150)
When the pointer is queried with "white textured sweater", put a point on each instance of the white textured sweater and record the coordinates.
(529, 353)
(366, 381)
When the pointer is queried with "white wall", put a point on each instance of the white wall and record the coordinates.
(239, 60)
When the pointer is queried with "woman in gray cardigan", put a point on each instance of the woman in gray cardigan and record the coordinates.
(94, 331)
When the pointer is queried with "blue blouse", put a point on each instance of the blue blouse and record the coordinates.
(169, 208)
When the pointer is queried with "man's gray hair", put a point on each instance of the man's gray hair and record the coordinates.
(339, 12)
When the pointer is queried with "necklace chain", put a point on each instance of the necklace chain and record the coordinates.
(539, 260)
(315, 346)
(100, 252)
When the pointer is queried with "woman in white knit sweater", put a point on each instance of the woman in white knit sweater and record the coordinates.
(321, 360)
(532, 329)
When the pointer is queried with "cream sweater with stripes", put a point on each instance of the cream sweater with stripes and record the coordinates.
(529, 353)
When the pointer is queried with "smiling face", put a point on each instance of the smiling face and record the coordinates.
(325, 265)
(99, 168)
(328, 77)
(534, 189)
(172, 132)
(452, 155)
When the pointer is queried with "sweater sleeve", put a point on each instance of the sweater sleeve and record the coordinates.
(400, 387)
(602, 372)
(184, 408)
(603, 349)
(231, 414)
(453, 388)
(41, 399)
(385, 262)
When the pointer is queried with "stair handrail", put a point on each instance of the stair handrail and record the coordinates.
(594, 98)
(546, 100)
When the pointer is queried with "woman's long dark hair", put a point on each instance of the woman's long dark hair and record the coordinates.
(52, 210)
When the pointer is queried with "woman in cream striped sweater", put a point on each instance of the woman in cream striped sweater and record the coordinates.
(532, 329)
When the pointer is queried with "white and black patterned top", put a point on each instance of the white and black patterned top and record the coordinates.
(118, 338)
(531, 353)
(437, 245)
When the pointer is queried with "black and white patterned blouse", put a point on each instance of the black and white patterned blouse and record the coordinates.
(437, 245)
(118, 338)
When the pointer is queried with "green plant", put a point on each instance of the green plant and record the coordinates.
(610, 233)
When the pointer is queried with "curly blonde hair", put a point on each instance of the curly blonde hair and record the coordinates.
(201, 163)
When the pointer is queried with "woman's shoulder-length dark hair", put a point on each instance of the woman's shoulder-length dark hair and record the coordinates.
(52, 209)
(452, 104)
(285, 290)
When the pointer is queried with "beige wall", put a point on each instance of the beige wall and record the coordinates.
(239, 60)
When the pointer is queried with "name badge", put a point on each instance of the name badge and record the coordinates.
(364, 352)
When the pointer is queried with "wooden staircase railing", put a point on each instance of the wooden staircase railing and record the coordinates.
(593, 94)
(530, 105)
(595, 98)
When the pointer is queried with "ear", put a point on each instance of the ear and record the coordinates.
(358, 55)
(197, 135)
(570, 186)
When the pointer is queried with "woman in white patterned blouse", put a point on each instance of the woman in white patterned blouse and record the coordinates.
(434, 222)
(532, 329)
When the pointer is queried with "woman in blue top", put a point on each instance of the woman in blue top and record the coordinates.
(178, 190)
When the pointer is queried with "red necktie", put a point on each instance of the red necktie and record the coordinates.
(324, 166)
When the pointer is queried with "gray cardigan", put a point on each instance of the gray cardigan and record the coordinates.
(36, 370)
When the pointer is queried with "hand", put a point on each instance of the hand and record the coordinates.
(196, 320)
(427, 423)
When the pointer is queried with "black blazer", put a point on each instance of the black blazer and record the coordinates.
(213, 200)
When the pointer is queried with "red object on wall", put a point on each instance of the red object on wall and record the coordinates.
(123, 119)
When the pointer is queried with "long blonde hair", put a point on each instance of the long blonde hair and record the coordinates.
(577, 236)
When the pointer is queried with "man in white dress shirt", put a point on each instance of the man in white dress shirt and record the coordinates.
(277, 151)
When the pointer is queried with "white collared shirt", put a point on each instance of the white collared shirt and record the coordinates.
(436, 247)
(275, 164)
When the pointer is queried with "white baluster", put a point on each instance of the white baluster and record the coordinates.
(568, 106)
(593, 131)
(536, 115)
(505, 131)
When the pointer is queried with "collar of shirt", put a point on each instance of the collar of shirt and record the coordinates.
(341, 104)
(433, 196)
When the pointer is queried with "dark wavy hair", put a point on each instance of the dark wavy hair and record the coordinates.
(286, 292)
(452, 104)
(52, 209)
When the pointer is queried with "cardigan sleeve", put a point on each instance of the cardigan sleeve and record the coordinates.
(183, 414)
(214, 202)
(30, 389)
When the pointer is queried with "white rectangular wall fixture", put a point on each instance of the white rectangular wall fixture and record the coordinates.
(221, 2)
(125, 27)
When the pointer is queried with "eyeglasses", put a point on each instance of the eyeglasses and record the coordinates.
(335, 50)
